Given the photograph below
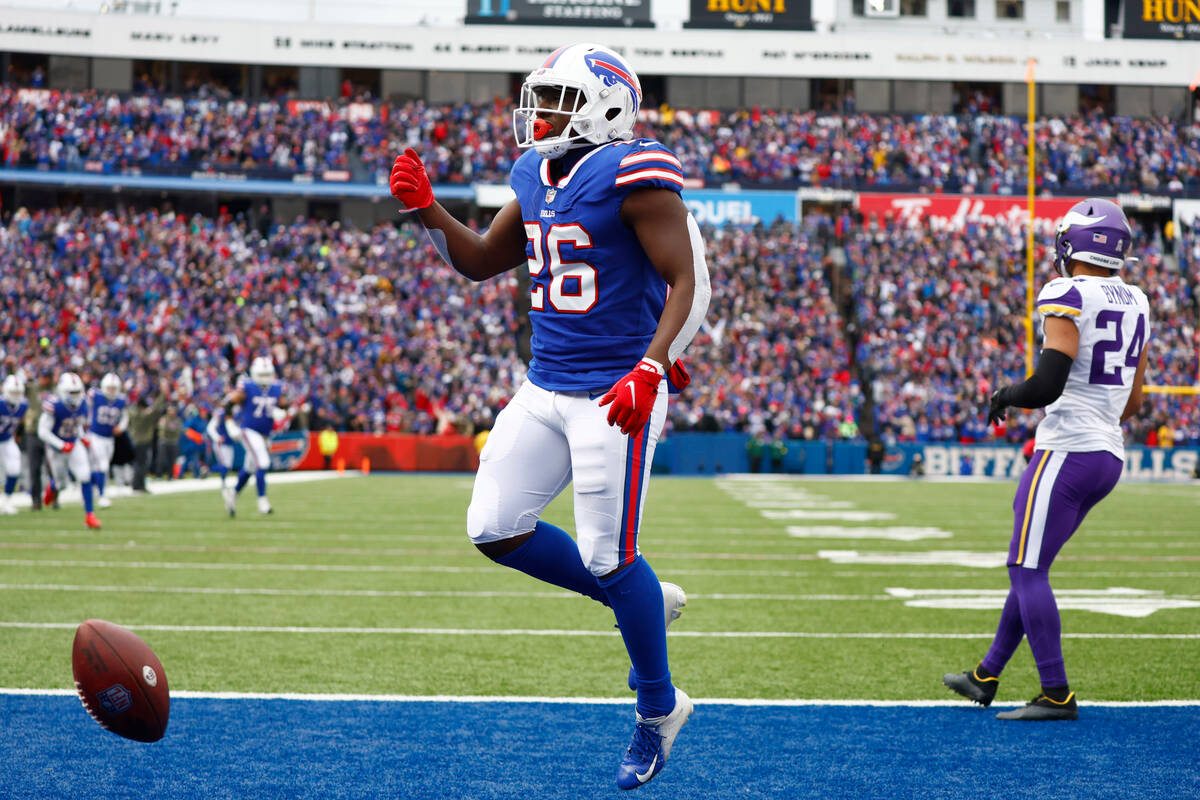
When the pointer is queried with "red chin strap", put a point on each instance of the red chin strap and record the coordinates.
(541, 127)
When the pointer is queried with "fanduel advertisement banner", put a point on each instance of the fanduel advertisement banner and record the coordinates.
(958, 210)
(712, 207)
(791, 15)
(616, 13)
(1162, 19)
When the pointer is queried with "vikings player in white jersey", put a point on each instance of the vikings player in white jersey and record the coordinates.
(109, 418)
(619, 286)
(62, 427)
(259, 397)
(13, 406)
(1089, 379)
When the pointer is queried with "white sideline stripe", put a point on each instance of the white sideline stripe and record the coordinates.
(71, 495)
(228, 590)
(754, 573)
(574, 633)
(605, 701)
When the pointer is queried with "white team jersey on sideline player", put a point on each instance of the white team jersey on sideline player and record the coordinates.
(1113, 318)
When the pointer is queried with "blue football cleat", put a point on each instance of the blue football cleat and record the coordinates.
(651, 745)
(674, 600)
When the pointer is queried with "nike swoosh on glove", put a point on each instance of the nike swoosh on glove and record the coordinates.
(409, 182)
(633, 397)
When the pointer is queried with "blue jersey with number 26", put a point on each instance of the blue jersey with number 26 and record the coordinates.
(596, 298)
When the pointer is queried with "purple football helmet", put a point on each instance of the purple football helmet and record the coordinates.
(1094, 231)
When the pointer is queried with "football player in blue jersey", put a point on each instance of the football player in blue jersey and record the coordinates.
(13, 406)
(619, 289)
(62, 426)
(109, 418)
(259, 398)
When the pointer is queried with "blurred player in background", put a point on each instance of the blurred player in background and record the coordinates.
(109, 419)
(222, 432)
(61, 427)
(1089, 379)
(259, 398)
(619, 288)
(13, 406)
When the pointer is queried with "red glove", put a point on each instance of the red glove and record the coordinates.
(68, 447)
(86, 443)
(633, 397)
(678, 376)
(409, 183)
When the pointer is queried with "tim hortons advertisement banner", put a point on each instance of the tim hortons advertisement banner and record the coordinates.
(612, 13)
(958, 210)
(791, 15)
(1162, 19)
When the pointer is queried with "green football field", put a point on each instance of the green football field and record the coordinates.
(834, 590)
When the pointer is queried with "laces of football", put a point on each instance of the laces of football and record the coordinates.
(645, 742)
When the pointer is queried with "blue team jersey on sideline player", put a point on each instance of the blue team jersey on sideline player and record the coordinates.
(596, 298)
(105, 413)
(68, 423)
(258, 405)
(10, 417)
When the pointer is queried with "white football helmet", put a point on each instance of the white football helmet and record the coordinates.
(110, 386)
(262, 371)
(70, 389)
(588, 82)
(14, 389)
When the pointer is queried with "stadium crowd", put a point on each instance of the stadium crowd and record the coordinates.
(358, 137)
(810, 326)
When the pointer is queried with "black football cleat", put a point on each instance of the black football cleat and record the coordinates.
(973, 687)
(1042, 708)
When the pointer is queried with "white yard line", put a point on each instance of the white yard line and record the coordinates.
(604, 701)
(358, 631)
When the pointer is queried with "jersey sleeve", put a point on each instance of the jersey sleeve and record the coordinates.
(646, 164)
(1060, 298)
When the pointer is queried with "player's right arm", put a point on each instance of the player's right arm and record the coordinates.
(478, 257)
(46, 427)
(1134, 403)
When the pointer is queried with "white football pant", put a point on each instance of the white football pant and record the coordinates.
(224, 454)
(257, 455)
(544, 440)
(64, 465)
(100, 451)
(10, 458)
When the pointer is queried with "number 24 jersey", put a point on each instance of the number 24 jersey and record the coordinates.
(1113, 318)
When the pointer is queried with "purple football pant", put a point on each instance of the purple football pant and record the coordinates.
(1056, 492)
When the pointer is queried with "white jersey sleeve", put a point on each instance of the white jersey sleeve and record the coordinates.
(1113, 318)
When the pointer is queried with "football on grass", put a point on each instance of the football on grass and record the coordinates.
(120, 681)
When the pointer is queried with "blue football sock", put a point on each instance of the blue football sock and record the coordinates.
(551, 555)
(260, 482)
(10, 484)
(223, 472)
(637, 601)
(243, 479)
(98, 480)
(86, 490)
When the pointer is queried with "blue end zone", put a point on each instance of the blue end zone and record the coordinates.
(535, 751)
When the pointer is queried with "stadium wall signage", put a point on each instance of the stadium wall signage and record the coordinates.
(1162, 19)
(514, 47)
(618, 13)
(957, 210)
(792, 15)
